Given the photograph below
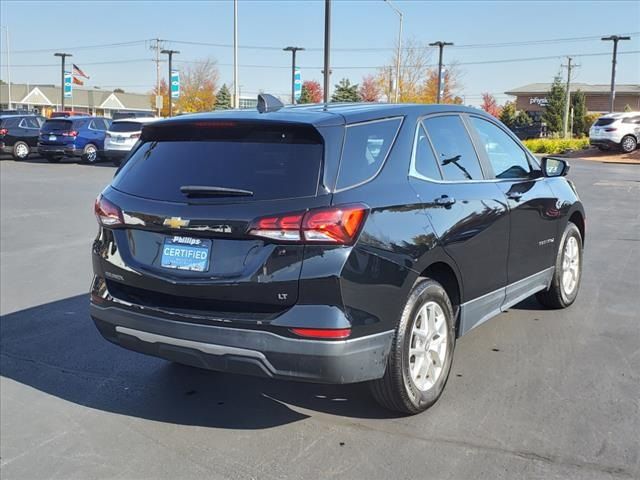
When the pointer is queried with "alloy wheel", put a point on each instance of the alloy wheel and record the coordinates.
(428, 346)
(22, 150)
(570, 265)
(91, 154)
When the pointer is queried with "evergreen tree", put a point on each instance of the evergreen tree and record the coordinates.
(223, 98)
(345, 92)
(553, 114)
(580, 125)
(508, 114)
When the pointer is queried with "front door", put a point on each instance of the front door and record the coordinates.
(533, 210)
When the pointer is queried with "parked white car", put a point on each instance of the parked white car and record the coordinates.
(616, 131)
(122, 136)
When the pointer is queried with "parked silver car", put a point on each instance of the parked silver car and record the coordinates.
(616, 131)
(122, 136)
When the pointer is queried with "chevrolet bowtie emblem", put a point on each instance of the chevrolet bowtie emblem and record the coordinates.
(175, 222)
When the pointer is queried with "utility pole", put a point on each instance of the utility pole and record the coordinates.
(327, 47)
(8, 68)
(157, 48)
(567, 101)
(293, 51)
(62, 56)
(170, 53)
(236, 85)
(441, 46)
(399, 53)
(615, 39)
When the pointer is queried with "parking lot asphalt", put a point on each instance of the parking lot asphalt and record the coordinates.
(533, 393)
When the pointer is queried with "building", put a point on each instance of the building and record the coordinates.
(45, 99)
(533, 97)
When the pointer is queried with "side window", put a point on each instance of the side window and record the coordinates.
(506, 157)
(366, 146)
(31, 122)
(424, 160)
(454, 150)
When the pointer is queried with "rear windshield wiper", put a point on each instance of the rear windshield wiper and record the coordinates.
(209, 191)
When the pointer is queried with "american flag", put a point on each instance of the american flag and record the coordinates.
(77, 72)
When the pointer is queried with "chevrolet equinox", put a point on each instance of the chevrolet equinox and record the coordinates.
(333, 243)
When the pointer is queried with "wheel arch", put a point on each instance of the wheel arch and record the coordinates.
(446, 275)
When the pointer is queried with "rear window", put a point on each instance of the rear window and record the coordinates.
(601, 122)
(125, 127)
(273, 162)
(57, 125)
(366, 146)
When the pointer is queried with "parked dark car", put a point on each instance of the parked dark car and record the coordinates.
(336, 244)
(19, 134)
(67, 114)
(73, 137)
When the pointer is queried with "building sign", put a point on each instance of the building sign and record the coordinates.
(541, 101)
(297, 84)
(175, 84)
(68, 85)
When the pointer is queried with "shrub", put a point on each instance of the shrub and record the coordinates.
(555, 145)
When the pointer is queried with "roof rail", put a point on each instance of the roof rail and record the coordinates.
(268, 103)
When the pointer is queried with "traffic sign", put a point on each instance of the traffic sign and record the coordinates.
(68, 85)
(175, 84)
(297, 84)
(159, 101)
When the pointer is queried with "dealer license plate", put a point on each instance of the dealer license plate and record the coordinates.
(186, 253)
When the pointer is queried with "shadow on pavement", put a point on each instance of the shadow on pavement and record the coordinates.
(56, 349)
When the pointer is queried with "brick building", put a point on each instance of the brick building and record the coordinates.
(533, 97)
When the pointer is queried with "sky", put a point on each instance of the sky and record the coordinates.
(363, 37)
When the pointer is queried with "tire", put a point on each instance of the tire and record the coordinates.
(399, 389)
(90, 153)
(628, 144)
(21, 151)
(563, 293)
(53, 158)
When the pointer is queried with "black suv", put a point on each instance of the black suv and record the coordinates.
(19, 134)
(337, 244)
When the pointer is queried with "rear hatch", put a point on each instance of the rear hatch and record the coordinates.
(57, 132)
(122, 135)
(189, 194)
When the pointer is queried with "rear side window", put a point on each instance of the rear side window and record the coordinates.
(365, 149)
(273, 162)
(30, 122)
(125, 127)
(603, 122)
(454, 150)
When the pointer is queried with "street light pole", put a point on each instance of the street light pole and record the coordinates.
(293, 51)
(615, 39)
(236, 85)
(327, 47)
(170, 53)
(399, 53)
(63, 56)
(441, 46)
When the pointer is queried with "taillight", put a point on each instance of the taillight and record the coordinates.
(610, 129)
(3, 131)
(107, 135)
(335, 225)
(135, 135)
(72, 133)
(108, 214)
(336, 333)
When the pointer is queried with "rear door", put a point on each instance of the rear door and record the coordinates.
(468, 214)
(534, 208)
(30, 129)
(278, 166)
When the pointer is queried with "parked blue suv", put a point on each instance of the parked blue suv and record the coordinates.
(73, 137)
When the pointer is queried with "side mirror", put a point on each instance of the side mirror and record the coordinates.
(554, 167)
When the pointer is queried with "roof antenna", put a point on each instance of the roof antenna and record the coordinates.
(268, 103)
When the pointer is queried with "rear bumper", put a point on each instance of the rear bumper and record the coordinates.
(245, 351)
(51, 149)
(603, 142)
(115, 154)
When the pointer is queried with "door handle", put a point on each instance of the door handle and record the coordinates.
(445, 201)
(514, 195)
